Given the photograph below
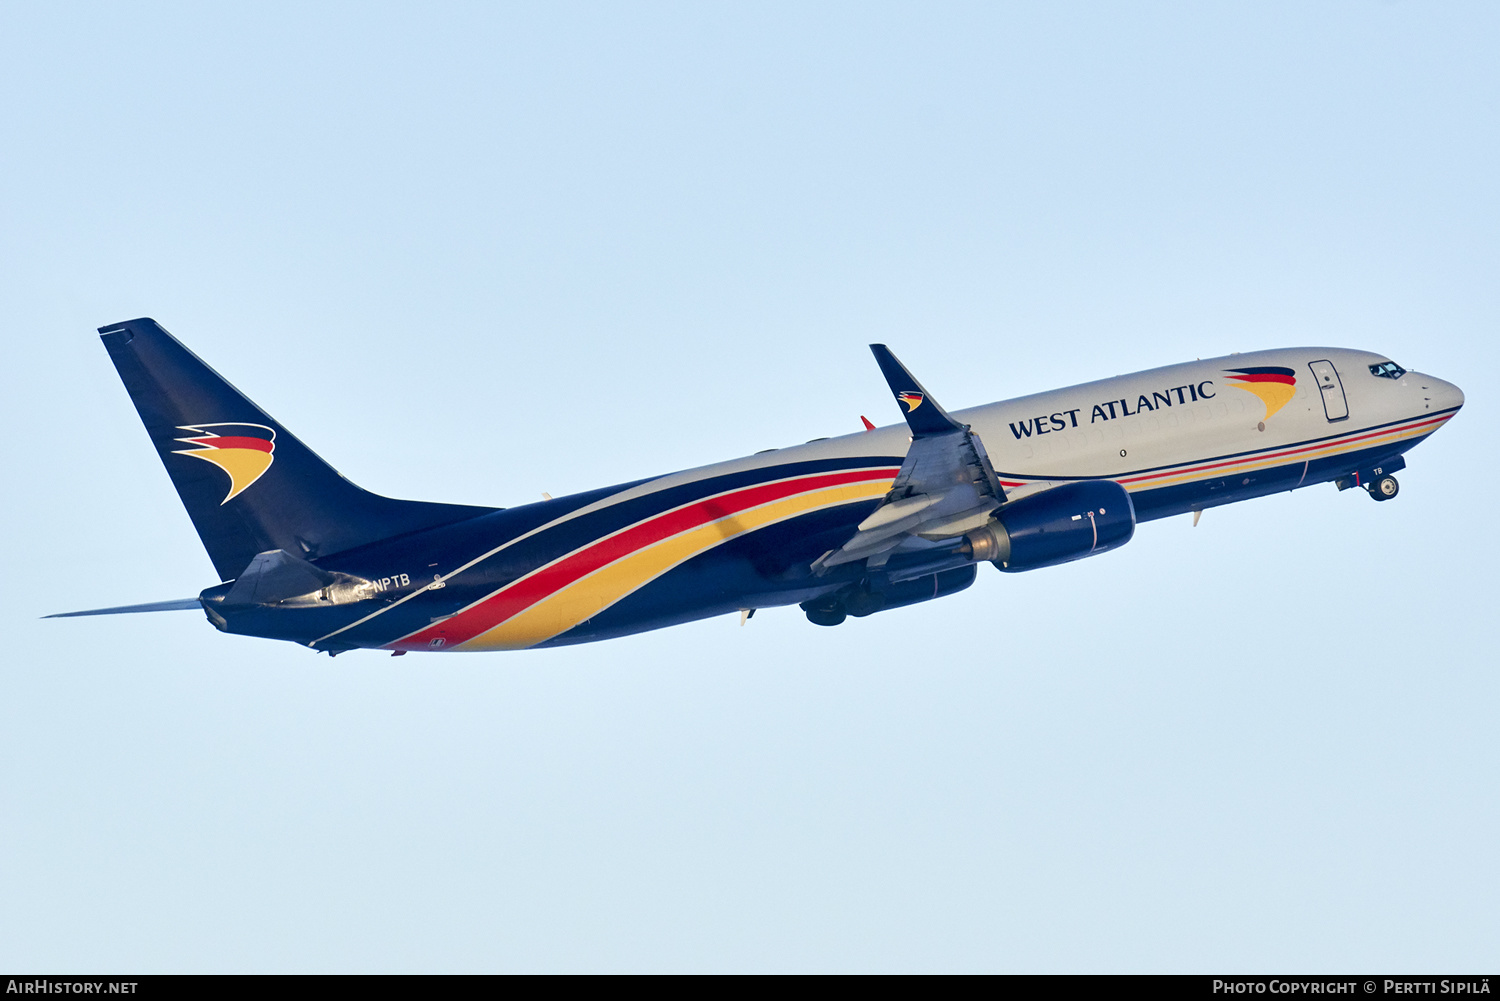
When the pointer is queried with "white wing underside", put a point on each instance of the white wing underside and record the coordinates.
(946, 487)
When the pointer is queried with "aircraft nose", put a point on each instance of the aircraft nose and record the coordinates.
(1439, 394)
(1448, 395)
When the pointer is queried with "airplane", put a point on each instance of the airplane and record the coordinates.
(845, 526)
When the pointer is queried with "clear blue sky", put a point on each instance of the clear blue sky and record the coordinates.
(473, 253)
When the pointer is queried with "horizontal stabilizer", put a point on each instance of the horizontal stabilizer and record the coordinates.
(180, 605)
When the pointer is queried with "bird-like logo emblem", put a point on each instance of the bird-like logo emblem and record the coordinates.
(912, 400)
(243, 451)
(1272, 383)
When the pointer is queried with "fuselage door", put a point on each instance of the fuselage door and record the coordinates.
(1334, 404)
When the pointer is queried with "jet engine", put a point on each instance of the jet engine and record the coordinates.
(1057, 525)
(1053, 526)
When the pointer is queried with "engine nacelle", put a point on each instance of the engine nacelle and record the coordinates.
(1055, 526)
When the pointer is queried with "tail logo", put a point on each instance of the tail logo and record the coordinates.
(912, 400)
(243, 451)
(1273, 384)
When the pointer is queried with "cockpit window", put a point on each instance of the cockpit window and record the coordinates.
(1387, 370)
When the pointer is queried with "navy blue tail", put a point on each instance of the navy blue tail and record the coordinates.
(248, 484)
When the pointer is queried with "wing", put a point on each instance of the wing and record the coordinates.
(946, 486)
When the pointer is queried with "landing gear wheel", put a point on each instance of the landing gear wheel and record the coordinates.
(825, 610)
(1384, 488)
(827, 616)
(861, 603)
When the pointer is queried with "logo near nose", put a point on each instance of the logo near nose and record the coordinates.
(1273, 384)
(243, 451)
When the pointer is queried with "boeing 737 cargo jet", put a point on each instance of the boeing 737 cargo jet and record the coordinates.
(840, 526)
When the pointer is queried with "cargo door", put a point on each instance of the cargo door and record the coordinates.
(1329, 384)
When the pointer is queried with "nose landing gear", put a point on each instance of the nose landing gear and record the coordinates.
(1376, 480)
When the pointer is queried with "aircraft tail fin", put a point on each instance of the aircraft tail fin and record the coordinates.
(248, 484)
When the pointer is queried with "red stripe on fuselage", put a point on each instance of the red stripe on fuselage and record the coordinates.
(523, 593)
(1287, 452)
(1259, 456)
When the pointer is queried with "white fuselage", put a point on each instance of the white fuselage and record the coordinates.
(1177, 426)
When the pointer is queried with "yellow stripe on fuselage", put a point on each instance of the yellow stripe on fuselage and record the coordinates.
(587, 597)
(1250, 465)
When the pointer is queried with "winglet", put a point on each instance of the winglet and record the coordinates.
(924, 415)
